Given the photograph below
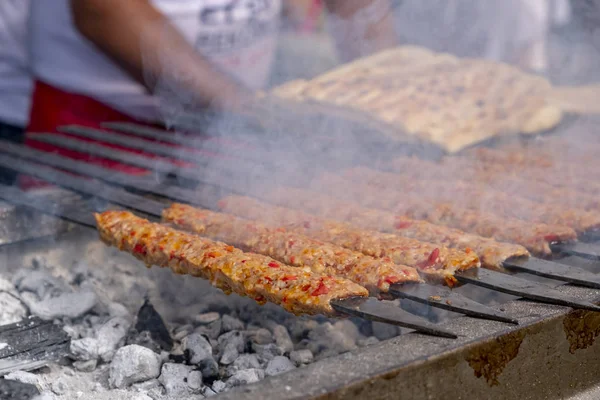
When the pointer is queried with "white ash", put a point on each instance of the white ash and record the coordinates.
(11, 309)
(219, 341)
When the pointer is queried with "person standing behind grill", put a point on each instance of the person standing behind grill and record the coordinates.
(115, 60)
(15, 78)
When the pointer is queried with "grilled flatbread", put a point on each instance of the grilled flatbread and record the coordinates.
(449, 101)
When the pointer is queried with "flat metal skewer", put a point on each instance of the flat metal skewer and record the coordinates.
(554, 270)
(452, 301)
(446, 299)
(370, 308)
(590, 251)
(522, 288)
(382, 311)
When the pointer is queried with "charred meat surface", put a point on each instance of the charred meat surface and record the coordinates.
(434, 261)
(292, 248)
(261, 278)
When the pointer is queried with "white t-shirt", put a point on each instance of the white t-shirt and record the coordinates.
(15, 77)
(237, 35)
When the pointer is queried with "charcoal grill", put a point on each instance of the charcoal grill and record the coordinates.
(488, 359)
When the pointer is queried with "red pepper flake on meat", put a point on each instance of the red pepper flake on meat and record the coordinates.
(229, 249)
(244, 261)
(139, 249)
(551, 238)
(291, 243)
(288, 278)
(268, 279)
(431, 260)
(292, 260)
(273, 264)
(306, 287)
(321, 289)
(132, 233)
(388, 279)
(402, 224)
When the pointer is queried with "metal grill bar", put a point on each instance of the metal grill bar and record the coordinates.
(502, 281)
(370, 308)
(532, 265)
(126, 199)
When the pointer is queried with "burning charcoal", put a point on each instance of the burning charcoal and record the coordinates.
(283, 339)
(209, 369)
(15, 390)
(279, 365)
(301, 357)
(259, 336)
(181, 332)
(219, 386)
(349, 328)
(59, 387)
(245, 361)
(207, 318)
(212, 330)
(149, 320)
(371, 340)
(23, 377)
(327, 337)
(300, 327)
(231, 344)
(384, 331)
(39, 282)
(11, 309)
(85, 349)
(70, 305)
(152, 388)
(194, 381)
(118, 310)
(85, 366)
(197, 347)
(245, 377)
(267, 352)
(208, 392)
(133, 364)
(110, 335)
(231, 324)
(174, 378)
(142, 339)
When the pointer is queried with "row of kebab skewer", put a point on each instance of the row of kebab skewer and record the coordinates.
(306, 249)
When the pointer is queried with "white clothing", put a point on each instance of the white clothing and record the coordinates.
(15, 77)
(239, 36)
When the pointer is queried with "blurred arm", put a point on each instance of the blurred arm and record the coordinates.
(361, 27)
(140, 39)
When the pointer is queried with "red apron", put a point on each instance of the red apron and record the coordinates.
(52, 108)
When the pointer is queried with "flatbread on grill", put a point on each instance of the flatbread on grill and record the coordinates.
(449, 101)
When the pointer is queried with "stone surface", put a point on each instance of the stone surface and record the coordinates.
(133, 364)
(245, 361)
(384, 331)
(174, 377)
(301, 357)
(23, 377)
(212, 330)
(219, 386)
(279, 365)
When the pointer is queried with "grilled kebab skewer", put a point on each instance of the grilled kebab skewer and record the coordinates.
(261, 278)
(536, 237)
(491, 253)
(467, 195)
(291, 248)
(434, 260)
